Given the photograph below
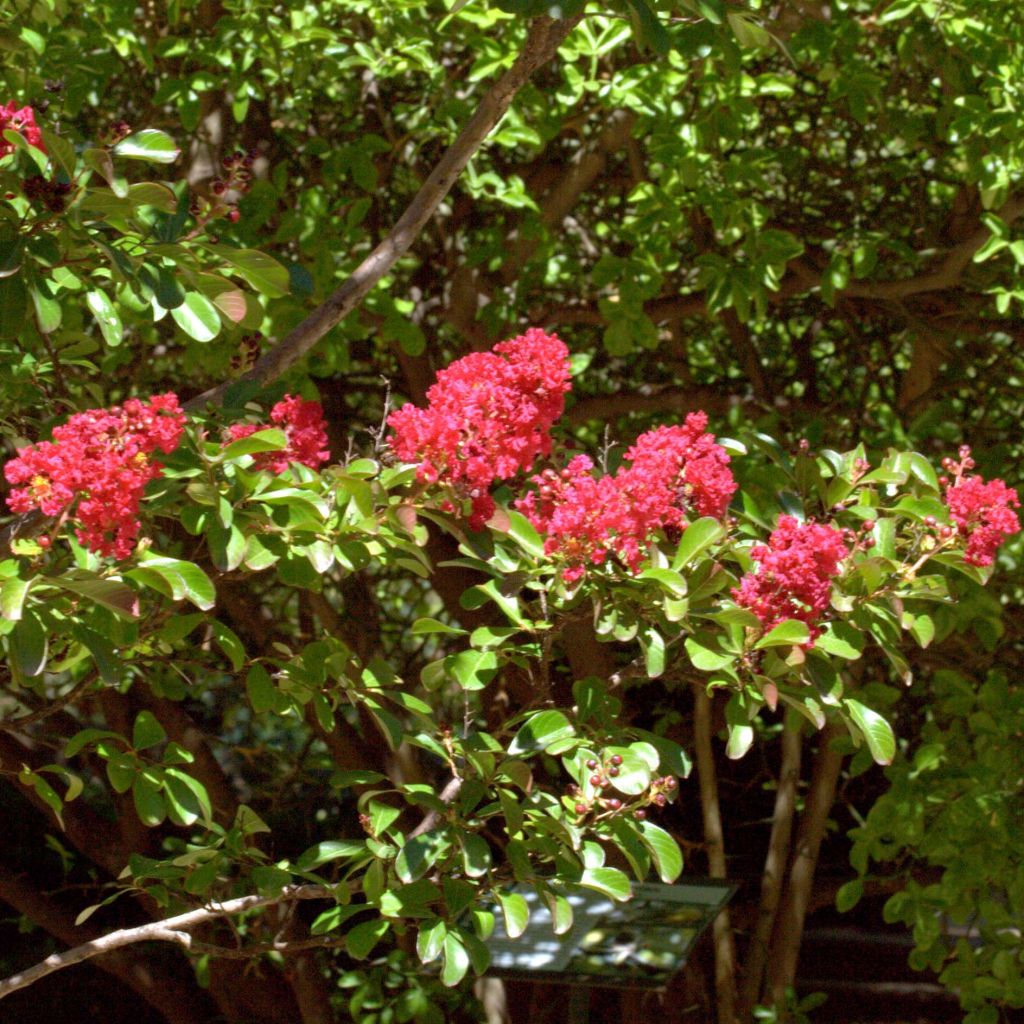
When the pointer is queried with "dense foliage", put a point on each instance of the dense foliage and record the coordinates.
(426, 613)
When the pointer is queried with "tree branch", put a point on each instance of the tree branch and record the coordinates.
(789, 926)
(543, 39)
(167, 986)
(947, 273)
(714, 840)
(171, 929)
(775, 862)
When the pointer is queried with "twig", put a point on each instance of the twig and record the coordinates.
(70, 697)
(171, 929)
(431, 818)
(543, 39)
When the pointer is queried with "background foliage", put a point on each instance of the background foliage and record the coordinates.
(800, 218)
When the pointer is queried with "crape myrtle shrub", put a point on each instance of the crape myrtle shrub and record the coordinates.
(200, 560)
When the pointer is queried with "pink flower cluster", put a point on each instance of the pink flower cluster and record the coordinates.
(101, 458)
(23, 121)
(489, 416)
(303, 425)
(794, 577)
(674, 474)
(983, 514)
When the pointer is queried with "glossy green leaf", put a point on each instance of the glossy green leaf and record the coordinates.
(876, 731)
(363, 937)
(150, 145)
(664, 850)
(419, 854)
(147, 731)
(197, 317)
(787, 633)
(106, 316)
(540, 731)
(696, 539)
(456, 961)
(610, 882)
(516, 913)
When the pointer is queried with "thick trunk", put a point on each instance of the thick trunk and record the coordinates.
(785, 946)
(714, 841)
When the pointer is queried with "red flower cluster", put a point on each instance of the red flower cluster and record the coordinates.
(24, 121)
(303, 424)
(101, 458)
(576, 513)
(794, 577)
(983, 514)
(489, 416)
(675, 474)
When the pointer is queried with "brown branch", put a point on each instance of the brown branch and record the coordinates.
(714, 840)
(170, 991)
(544, 37)
(171, 929)
(947, 274)
(431, 818)
(573, 179)
(784, 951)
(775, 861)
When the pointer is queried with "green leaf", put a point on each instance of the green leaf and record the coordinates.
(476, 855)
(151, 193)
(261, 690)
(382, 817)
(335, 917)
(849, 895)
(112, 594)
(419, 855)
(609, 881)
(12, 597)
(182, 580)
(787, 633)
(106, 317)
(430, 940)
(664, 850)
(150, 145)
(197, 317)
(634, 770)
(479, 956)
(516, 913)
(456, 961)
(649, 30)
(13, 306)
(147, 732)
(260, 271)
(522, 530)
(876, 730)
(472, 670)
(331, 849)
(47, 308)
(186, 798)
(28, 646)
(149, 801)
(360, 940)
(706, 659)
(652, 643)
(842, 640)
(741, 736)
(428, 627)
(62, 153)
(540, 731)
(269, 439)
(696, 539)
